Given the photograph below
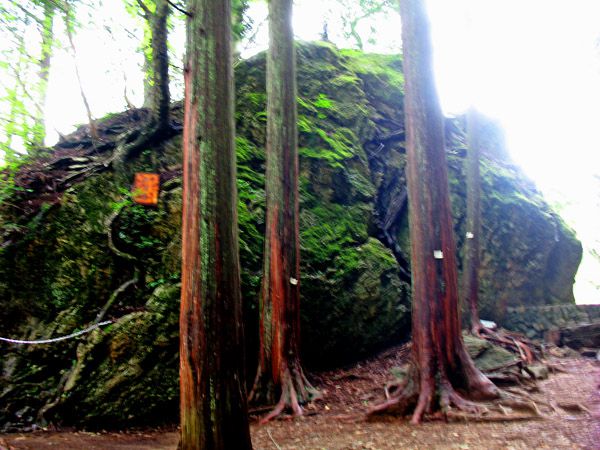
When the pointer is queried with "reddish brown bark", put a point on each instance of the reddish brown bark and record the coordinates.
(442, 366)
(280, 377)
(213, 396)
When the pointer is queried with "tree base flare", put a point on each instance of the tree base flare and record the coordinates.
(437, 398)
(294, 391)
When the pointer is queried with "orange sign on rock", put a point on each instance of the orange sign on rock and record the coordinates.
(145, 188)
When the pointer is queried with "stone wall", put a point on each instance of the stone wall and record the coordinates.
(535, 321)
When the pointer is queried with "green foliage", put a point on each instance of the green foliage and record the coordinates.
(28, 30)
(8, 188)
(354, 14)
(241, 23)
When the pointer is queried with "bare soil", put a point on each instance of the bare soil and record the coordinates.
(338, 421)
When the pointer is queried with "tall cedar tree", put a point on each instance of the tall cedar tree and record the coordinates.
(280, 373)
(473, 223)
(156, 90)
(212, 382)
(47, 44)
(441, 365)
(157, 85)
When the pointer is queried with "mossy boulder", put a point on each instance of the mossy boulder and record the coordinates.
(59, 268)
(486, 355)
(529, 255)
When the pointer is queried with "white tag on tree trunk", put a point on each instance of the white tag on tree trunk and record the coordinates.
(293, 281)
(438, 254)
(470, 235)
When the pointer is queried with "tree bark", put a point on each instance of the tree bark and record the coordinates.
(161, 98)
(212, 382)
(39, 128)
(280, 373)
(473, 222)
(442, 366)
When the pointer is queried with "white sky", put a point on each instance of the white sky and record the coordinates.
(532, 64)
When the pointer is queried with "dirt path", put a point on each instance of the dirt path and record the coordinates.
(347, 391)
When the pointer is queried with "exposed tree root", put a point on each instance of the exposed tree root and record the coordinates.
(441, 399)
(295, 390)
(113, 297)
(109, 235)
(514, 342)
(514, 373)
(120, 253)
(435, 394)
(573, 407)
(402, 399)
(348, 418)
(514, 402)
(78, 157)
(134, 143)
(458, 416)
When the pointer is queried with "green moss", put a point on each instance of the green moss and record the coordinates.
(359, 302)
(323, 102)
(333, 146)
(387, 67)
(326, 230)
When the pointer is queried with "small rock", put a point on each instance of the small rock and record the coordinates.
(540, 371)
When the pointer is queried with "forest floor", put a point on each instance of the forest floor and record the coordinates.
(338, 422)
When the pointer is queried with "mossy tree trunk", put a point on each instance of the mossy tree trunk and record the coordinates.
(442, 367)
(213, 393)
(280, 375)
(161, 98)
(473, 222)
(156, 86)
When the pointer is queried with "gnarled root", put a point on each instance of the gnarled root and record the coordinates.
(134, 142)
(432, 397)
(527, 350)
(295, 390)
(402, 396)
(120, 253)
(438, 397)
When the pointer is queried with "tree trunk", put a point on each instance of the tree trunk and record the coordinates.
(442, 366)
(213, 393)
(280, 373)
(146, 48)
(39, 128)
(161, 99)
(473, 225)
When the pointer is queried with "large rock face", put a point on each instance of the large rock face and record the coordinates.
(58, 271)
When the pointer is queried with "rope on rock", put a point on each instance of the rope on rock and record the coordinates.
(61, 338)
